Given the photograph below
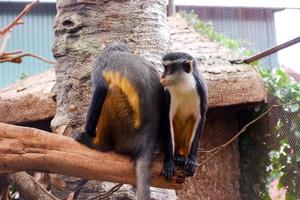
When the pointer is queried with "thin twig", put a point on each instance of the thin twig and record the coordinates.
(108, 193)
(4, 43)
(18, 18)
(38, 57)
(219, 148)
(37, 184)
(11, 53)
(209, 151)
(15, 58)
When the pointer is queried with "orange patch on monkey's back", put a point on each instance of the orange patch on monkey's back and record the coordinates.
(115, 78)
(115, 110)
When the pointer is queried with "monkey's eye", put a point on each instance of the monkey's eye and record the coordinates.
(187, 66)
(166, 67)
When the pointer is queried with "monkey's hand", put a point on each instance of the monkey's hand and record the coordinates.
(180, 160)
(190, 167)
(169, 169)
(84, 138)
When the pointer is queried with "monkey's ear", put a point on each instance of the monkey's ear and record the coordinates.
(166, 63)
(188, 66)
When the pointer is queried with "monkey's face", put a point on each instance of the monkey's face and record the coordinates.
(176, 72)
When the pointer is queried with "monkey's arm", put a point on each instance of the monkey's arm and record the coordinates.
(95, 107)
(191, 163)
(94, 110)
(169, 165)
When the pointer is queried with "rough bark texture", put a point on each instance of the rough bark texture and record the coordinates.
(23, 148)
(141, 24)
(28, 188)
(219, 178)
(28, 100)
(83, 28)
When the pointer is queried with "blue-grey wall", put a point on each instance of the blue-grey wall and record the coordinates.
(35, 36)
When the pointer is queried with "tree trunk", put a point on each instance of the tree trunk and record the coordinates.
(171, 8)
(83, 28)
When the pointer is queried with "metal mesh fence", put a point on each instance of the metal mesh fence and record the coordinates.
(271, 157)
(255, 28)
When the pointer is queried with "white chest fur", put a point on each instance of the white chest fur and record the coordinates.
(185, 102)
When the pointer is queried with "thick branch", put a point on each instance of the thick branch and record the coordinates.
(30, 99)
(28, 188)
(24, 148)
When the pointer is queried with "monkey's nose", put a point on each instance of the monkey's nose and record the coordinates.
(163, 81)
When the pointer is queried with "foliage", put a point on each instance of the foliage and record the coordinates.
(23, 75)
(284, 152)
(208, 30)
(285, 157)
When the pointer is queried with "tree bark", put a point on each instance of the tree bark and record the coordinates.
(31, 99)
(28, 188)
(83, 28)
(171, 8)
(23, 148)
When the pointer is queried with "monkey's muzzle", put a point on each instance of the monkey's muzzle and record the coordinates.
(165, 81)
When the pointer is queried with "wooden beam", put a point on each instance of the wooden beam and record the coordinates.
(23, 148)
(28, 100)
(32, 99)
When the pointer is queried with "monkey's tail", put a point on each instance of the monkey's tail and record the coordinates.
(143, 173)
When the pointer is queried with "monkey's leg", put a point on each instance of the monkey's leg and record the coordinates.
(191, 163)
(93, 114)
(179, 158)
(169, 165)
(178, 128)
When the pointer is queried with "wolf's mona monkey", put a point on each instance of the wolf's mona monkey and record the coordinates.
(125, 110)
(185, 107)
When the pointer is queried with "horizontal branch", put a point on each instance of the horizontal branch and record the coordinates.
(23, 148)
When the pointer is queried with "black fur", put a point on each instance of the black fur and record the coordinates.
(169, 165)
(122, 137)
(179, 60)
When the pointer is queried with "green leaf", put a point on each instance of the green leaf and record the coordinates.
(297, 134)
(289, 196)
(298, 156)
(294, 107)
(280, 184)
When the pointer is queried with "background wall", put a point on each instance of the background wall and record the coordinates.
(35, 36)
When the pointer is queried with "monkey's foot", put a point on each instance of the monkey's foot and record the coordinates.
(169, 169)
(190, 167)
(180, 160)
(105, 147)
(84, 138)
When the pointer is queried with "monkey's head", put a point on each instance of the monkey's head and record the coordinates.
(178, 68)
